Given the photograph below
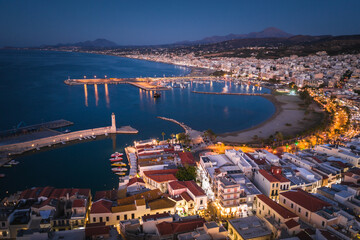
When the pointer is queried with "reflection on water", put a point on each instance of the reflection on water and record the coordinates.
(107, 95)
(96, 95)
(86, 95)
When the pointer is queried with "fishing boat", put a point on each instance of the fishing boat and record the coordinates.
(116, 154)
(120, 173)
(117, 159)
(118, 164)
(118, 169)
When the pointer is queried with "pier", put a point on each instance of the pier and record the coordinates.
(196, 136)
(143, 83)
(19, 148)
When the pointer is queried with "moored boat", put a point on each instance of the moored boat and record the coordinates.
(118, 169)
(118, 164)
(117, 159)
(120, 173)
(116, 154)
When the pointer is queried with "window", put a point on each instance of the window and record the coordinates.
(125, 217)
(273, 185)
(133, 215)
(269, 212)
(101, 219)
(4, 233)
(118, 217)
(259, 211)
(323, 223)
(284, 201)
(3, 224)
(259, 204)
(107, 219)
(277, 184)
(292, 205)
(263, 207)
(201, 202)
(306, 214)
(299, 210)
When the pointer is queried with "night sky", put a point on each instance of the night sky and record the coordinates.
(135, 22)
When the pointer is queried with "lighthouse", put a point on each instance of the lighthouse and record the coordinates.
(113, 123)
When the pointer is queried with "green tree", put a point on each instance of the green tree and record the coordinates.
(186, 173)
(163, 134)
(183, 138)
(210, 134)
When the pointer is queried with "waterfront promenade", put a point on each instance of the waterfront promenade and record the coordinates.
(238, 94)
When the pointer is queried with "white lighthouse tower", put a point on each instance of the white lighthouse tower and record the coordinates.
(113, 123)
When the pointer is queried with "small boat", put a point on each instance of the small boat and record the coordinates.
(62, 142)
(157, 95)
(118, 169)
(7, 165)
(116, 154)
(118, 164)
(80, 139)
(38, 148)
(120, 173)
(93, 137)
(117, 159)
(13, 162)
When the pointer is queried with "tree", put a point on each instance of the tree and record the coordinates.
(186, 173)
(210, 134)
(183, 138)
(163, 134)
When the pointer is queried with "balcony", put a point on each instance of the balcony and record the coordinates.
(235, 196)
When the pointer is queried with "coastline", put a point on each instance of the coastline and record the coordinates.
(289, 118)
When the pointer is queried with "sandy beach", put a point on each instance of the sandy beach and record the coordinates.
(290, 118)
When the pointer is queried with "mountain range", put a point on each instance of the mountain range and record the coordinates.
(270, 32)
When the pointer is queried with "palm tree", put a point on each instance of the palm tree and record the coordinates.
(163, 134)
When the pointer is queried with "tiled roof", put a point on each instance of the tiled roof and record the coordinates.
(187, 158)
(170, 228)
(306, 200)
(101, 206)
(135, 180)
(48, 202)
(50, 192)
(186, 196)
(283, 212)
(46, 192)
(268, 176)
(191, 185)
(281, 178)
(161, 203)
(78, 203)
(291, 224)
(96, 229)
(123, 208)
(148, 196)
(162, 178)
(111, 195)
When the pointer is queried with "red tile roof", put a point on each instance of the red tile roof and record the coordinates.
(101, 206)
(281, 178)
(96, 229)
(165, 175)
(283, 212)
(162, 178)
(186, 196)
(48, 202)
(135, 180)
(306, 200)
(291, 224)
(167, 228)
(187, 158)
(78, 203)
(191, 185)
(268, 176)
(111, 195)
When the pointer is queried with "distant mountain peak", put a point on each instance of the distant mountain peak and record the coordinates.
(270, 32)
(100, 42)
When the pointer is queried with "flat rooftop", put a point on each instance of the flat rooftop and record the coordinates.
(250, 227)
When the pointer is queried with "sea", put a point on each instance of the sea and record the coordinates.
(32, 90)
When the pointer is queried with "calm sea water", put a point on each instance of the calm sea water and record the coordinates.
(32, 90)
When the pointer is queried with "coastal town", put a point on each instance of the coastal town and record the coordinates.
(197, 185)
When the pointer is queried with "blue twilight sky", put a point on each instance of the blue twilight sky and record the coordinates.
(134, 22)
